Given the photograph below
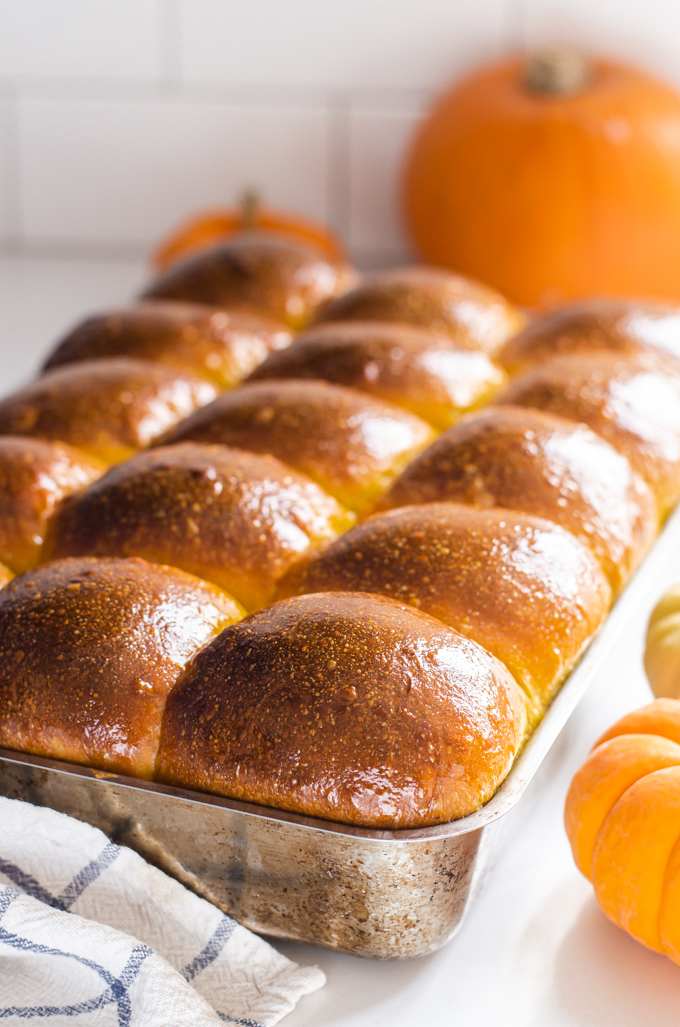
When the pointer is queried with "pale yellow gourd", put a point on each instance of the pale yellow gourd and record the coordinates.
(662, 649)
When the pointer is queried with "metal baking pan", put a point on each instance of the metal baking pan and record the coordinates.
(386, 894)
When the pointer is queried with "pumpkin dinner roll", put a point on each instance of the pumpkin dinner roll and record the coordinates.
(347, 707)
(422, 372)
(223, 346)
(632, 401)
(34, 476)
(90, 649)
(592, 325)
(473, 315)
(108, 408)
(528, 460)
(237, 519)
(265, 272)
(352, 445)
(522, 587)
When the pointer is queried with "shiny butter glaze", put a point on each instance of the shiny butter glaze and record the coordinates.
(352, 445)
(108, 408)
(520, 586)
(346, 707)
(616, 325)
(237, 519)
(473, 315)
(89, 650)
(223, 346)
(545, 465)
(413, 368)
(632, 401)
(268, 273)
(34, 476)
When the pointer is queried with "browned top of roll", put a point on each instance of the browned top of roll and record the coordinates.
(616, 325)
(109, 408)
(522, 587)
(422, 372)
(237, 519)
(89, 650)
(5, 575)
(276, 276)
(470, 313)
(223, 346)
(347, 707)
(632, 401)
(352, 445)
(34, 476)
(541, 464)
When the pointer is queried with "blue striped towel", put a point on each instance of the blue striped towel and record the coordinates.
(92, 935)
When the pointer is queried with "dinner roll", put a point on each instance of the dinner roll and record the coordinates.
(5, 575)
(268, 273)
(541, 464)
(413, 368)
(237, 519)
(34, 476)
(520, 586)
(473, 315)
(90, 649)
(347, 707)
(223, 346)
(633, 402)
(352, 445)
(615, 325)
(109, 408)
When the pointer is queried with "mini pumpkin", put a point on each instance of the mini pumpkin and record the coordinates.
(662, 648)
(622, 817)
(211, 227)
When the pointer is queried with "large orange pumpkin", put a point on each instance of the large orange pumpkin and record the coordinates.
(552, 181)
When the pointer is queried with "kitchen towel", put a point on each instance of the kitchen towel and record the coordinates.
(92, 935)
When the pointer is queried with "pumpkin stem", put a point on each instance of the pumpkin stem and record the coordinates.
(249, 206)
(558, 70)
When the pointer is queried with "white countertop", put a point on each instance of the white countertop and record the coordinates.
(535, 951)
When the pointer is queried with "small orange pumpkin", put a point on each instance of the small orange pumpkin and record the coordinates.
(622, 817)
(214, 226)
(551, 179)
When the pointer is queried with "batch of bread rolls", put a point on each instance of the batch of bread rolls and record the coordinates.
(325, 543)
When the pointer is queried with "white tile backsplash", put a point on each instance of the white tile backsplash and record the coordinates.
(377, 143)
(384, 44)
(80, 38)
(127, 172)
(120, 117)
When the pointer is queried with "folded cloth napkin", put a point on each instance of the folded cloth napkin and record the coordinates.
(91, 934)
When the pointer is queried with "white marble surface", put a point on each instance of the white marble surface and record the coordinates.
(535, 950)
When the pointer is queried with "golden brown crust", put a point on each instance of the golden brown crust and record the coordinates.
(522, 587)
(223, 346)
(108, 408)
(285, 279)
(614, 325)
(5, 575)
(424, 373)
(89, 650)
(347, 707)
(528, 460)
(352, 445)
(240, 520)
(632, 401)
(34, 476)
(473, 315)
